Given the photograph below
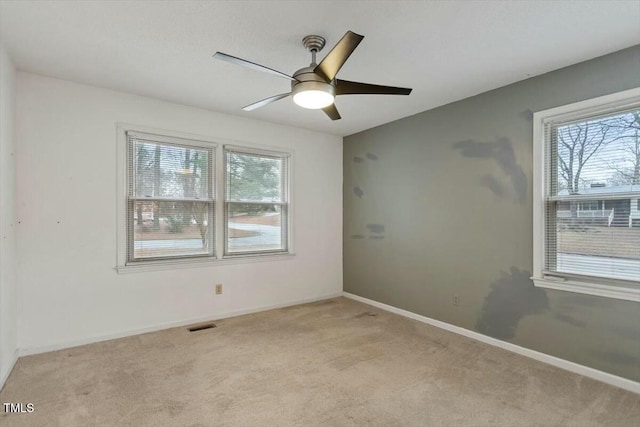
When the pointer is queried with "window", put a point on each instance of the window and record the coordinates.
(170, 213)
(586, 180)
(170, 200)
(255, 202)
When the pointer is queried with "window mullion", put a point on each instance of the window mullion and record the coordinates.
(221, 196)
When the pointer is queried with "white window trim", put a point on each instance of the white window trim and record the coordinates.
(122, 266)
(567, 112)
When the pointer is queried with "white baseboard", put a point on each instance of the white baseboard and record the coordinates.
(90, 340)
(5, 375)
(595, 374)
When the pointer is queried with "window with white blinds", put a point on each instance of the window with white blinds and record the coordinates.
(587, 221)
(186, 200)
(256, 201)
(171, 205)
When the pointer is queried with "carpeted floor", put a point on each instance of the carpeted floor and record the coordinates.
(332, 363)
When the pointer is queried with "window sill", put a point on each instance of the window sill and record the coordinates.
(616, 292)
(200, 262)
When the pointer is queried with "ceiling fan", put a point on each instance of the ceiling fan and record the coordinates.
(316, 86)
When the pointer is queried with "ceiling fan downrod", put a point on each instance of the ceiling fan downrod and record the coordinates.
(314, 44)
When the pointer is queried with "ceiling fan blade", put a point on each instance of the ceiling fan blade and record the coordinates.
(265, 101)
(331, 64)
(332, 112)
(345, 87)
(249, 64)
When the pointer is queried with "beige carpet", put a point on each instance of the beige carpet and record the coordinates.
(333, 363)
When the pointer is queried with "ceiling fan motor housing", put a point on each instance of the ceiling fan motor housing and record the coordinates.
(311, 91)
(306, 79)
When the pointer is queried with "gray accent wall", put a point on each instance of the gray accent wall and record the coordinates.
(439, 205)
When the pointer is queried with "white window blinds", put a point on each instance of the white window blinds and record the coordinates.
(256, 201)
(171, 203)
(592, 197)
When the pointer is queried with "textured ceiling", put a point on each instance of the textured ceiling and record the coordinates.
(444, 50)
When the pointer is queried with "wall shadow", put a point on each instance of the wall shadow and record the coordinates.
(512, 297)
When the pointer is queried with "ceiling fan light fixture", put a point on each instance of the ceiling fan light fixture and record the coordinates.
(313, 99)
(315, 87)
(313, 95)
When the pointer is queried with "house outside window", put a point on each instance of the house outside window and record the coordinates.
(187, 200)
(586, 193)
(593, 205)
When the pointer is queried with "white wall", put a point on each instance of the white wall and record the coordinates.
(69, 292)
(8, 299)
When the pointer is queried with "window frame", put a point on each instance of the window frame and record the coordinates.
(284, 203)
(211, 199)
(218, 146)
(591, 285)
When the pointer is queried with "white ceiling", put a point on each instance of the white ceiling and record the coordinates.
(444, 50)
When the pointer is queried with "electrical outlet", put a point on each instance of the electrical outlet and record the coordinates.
(456, 300)
(218, 288)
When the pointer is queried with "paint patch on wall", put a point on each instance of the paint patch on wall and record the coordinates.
(372, 156)
(376, 228)
(376, 237)
(357, 236)
(512, 297)
(527, 115)
(358, 192)
(570, 320)
(357, 159)
(502, 152)
(494, 185)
